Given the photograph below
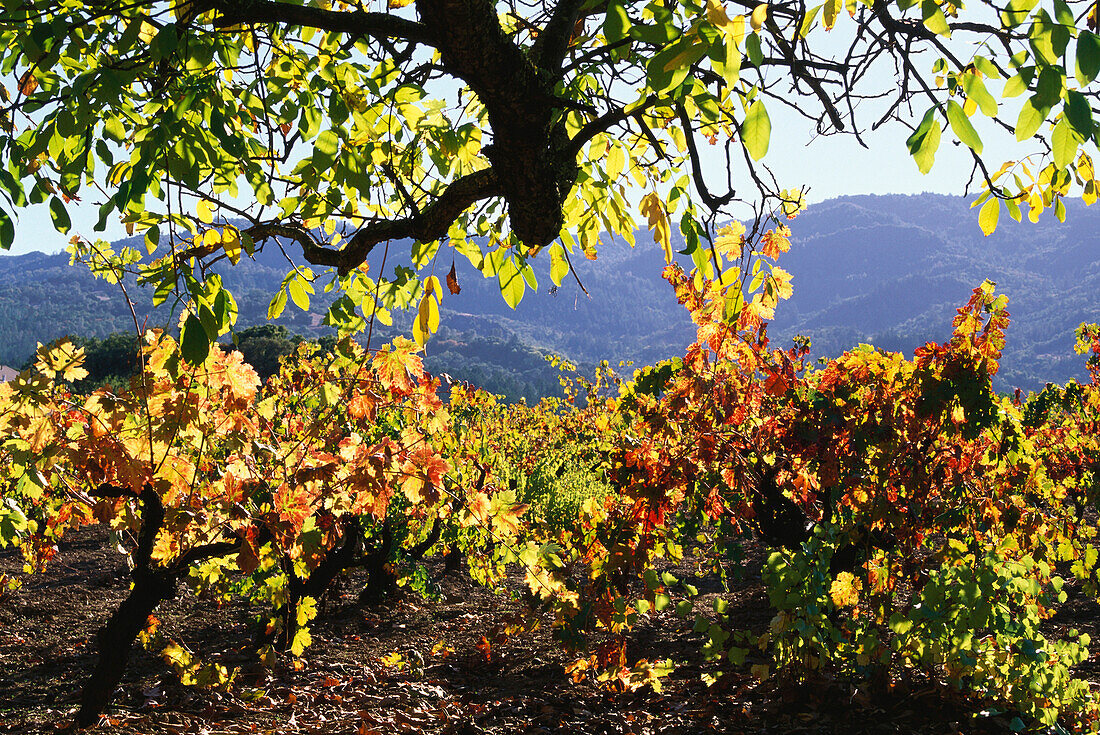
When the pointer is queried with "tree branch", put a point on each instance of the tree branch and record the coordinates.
(382, 26)
(431, 223)
(552, 44)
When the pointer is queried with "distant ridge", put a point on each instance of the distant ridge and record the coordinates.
(889, 270)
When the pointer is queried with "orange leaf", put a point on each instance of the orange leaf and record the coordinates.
(28, 83)
(452, 281)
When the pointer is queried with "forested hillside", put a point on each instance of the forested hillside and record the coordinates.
(888, 270)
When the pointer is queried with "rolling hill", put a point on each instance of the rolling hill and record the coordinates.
(888, 270)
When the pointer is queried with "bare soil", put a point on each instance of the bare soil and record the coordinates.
(447, 681)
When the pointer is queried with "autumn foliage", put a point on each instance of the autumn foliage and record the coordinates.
(914, 523)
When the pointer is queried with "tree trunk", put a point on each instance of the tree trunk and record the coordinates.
(336, 560)
(116, 639)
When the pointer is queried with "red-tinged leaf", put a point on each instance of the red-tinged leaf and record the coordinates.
(452, 281)
(424, 471)
(775, 242)
(248, 558)
(364, 405)
(398, 366)
(776, 384)
(323, 466)
(292, 504)
(486, 648)
(237, 377)
(478, 507)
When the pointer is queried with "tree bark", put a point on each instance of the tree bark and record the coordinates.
(116, 639)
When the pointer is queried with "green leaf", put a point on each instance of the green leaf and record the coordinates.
(616, 24)
(1017, 12)
(1030, 119)
(975, 89)
(113, 129)
(1088, 57)
(925, 141)
(275, 308)
(59, 216)
(1078, 113)
(986, 67)
(658, 34)
(12, 521)
(325, 149)
(559, 266)
(670, 67)
(962, 128)
(1063, 144)
(1016, 85)
(194, 344)
(808, 21)
(7, 230)
(934, 19)
(298, 294)
(1042, 36)
(988, 215)
(1049, 88)
(753, 50)
(756, 130)
(511, 282)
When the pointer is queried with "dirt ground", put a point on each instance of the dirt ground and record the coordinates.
(445, 681)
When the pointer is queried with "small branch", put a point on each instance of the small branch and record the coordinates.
(197, 554)
(712, 201)
(606, 122)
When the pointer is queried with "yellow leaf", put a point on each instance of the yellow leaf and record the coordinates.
(301, 642)
(782, 280)
(654, 211)
(730, 240)
(231, 243)
(716, 14)
(176, 656)
(427, 320)
(988, 214)
(735, 31)
(205, 211)
(306, 610)
(845, 590)
(759, 15)
(148, 32)
(393, 660)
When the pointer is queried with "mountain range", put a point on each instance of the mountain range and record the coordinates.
(886, 270)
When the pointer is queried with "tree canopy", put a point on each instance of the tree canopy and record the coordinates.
(498, 129)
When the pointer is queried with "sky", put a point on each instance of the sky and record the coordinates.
(830, 167)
